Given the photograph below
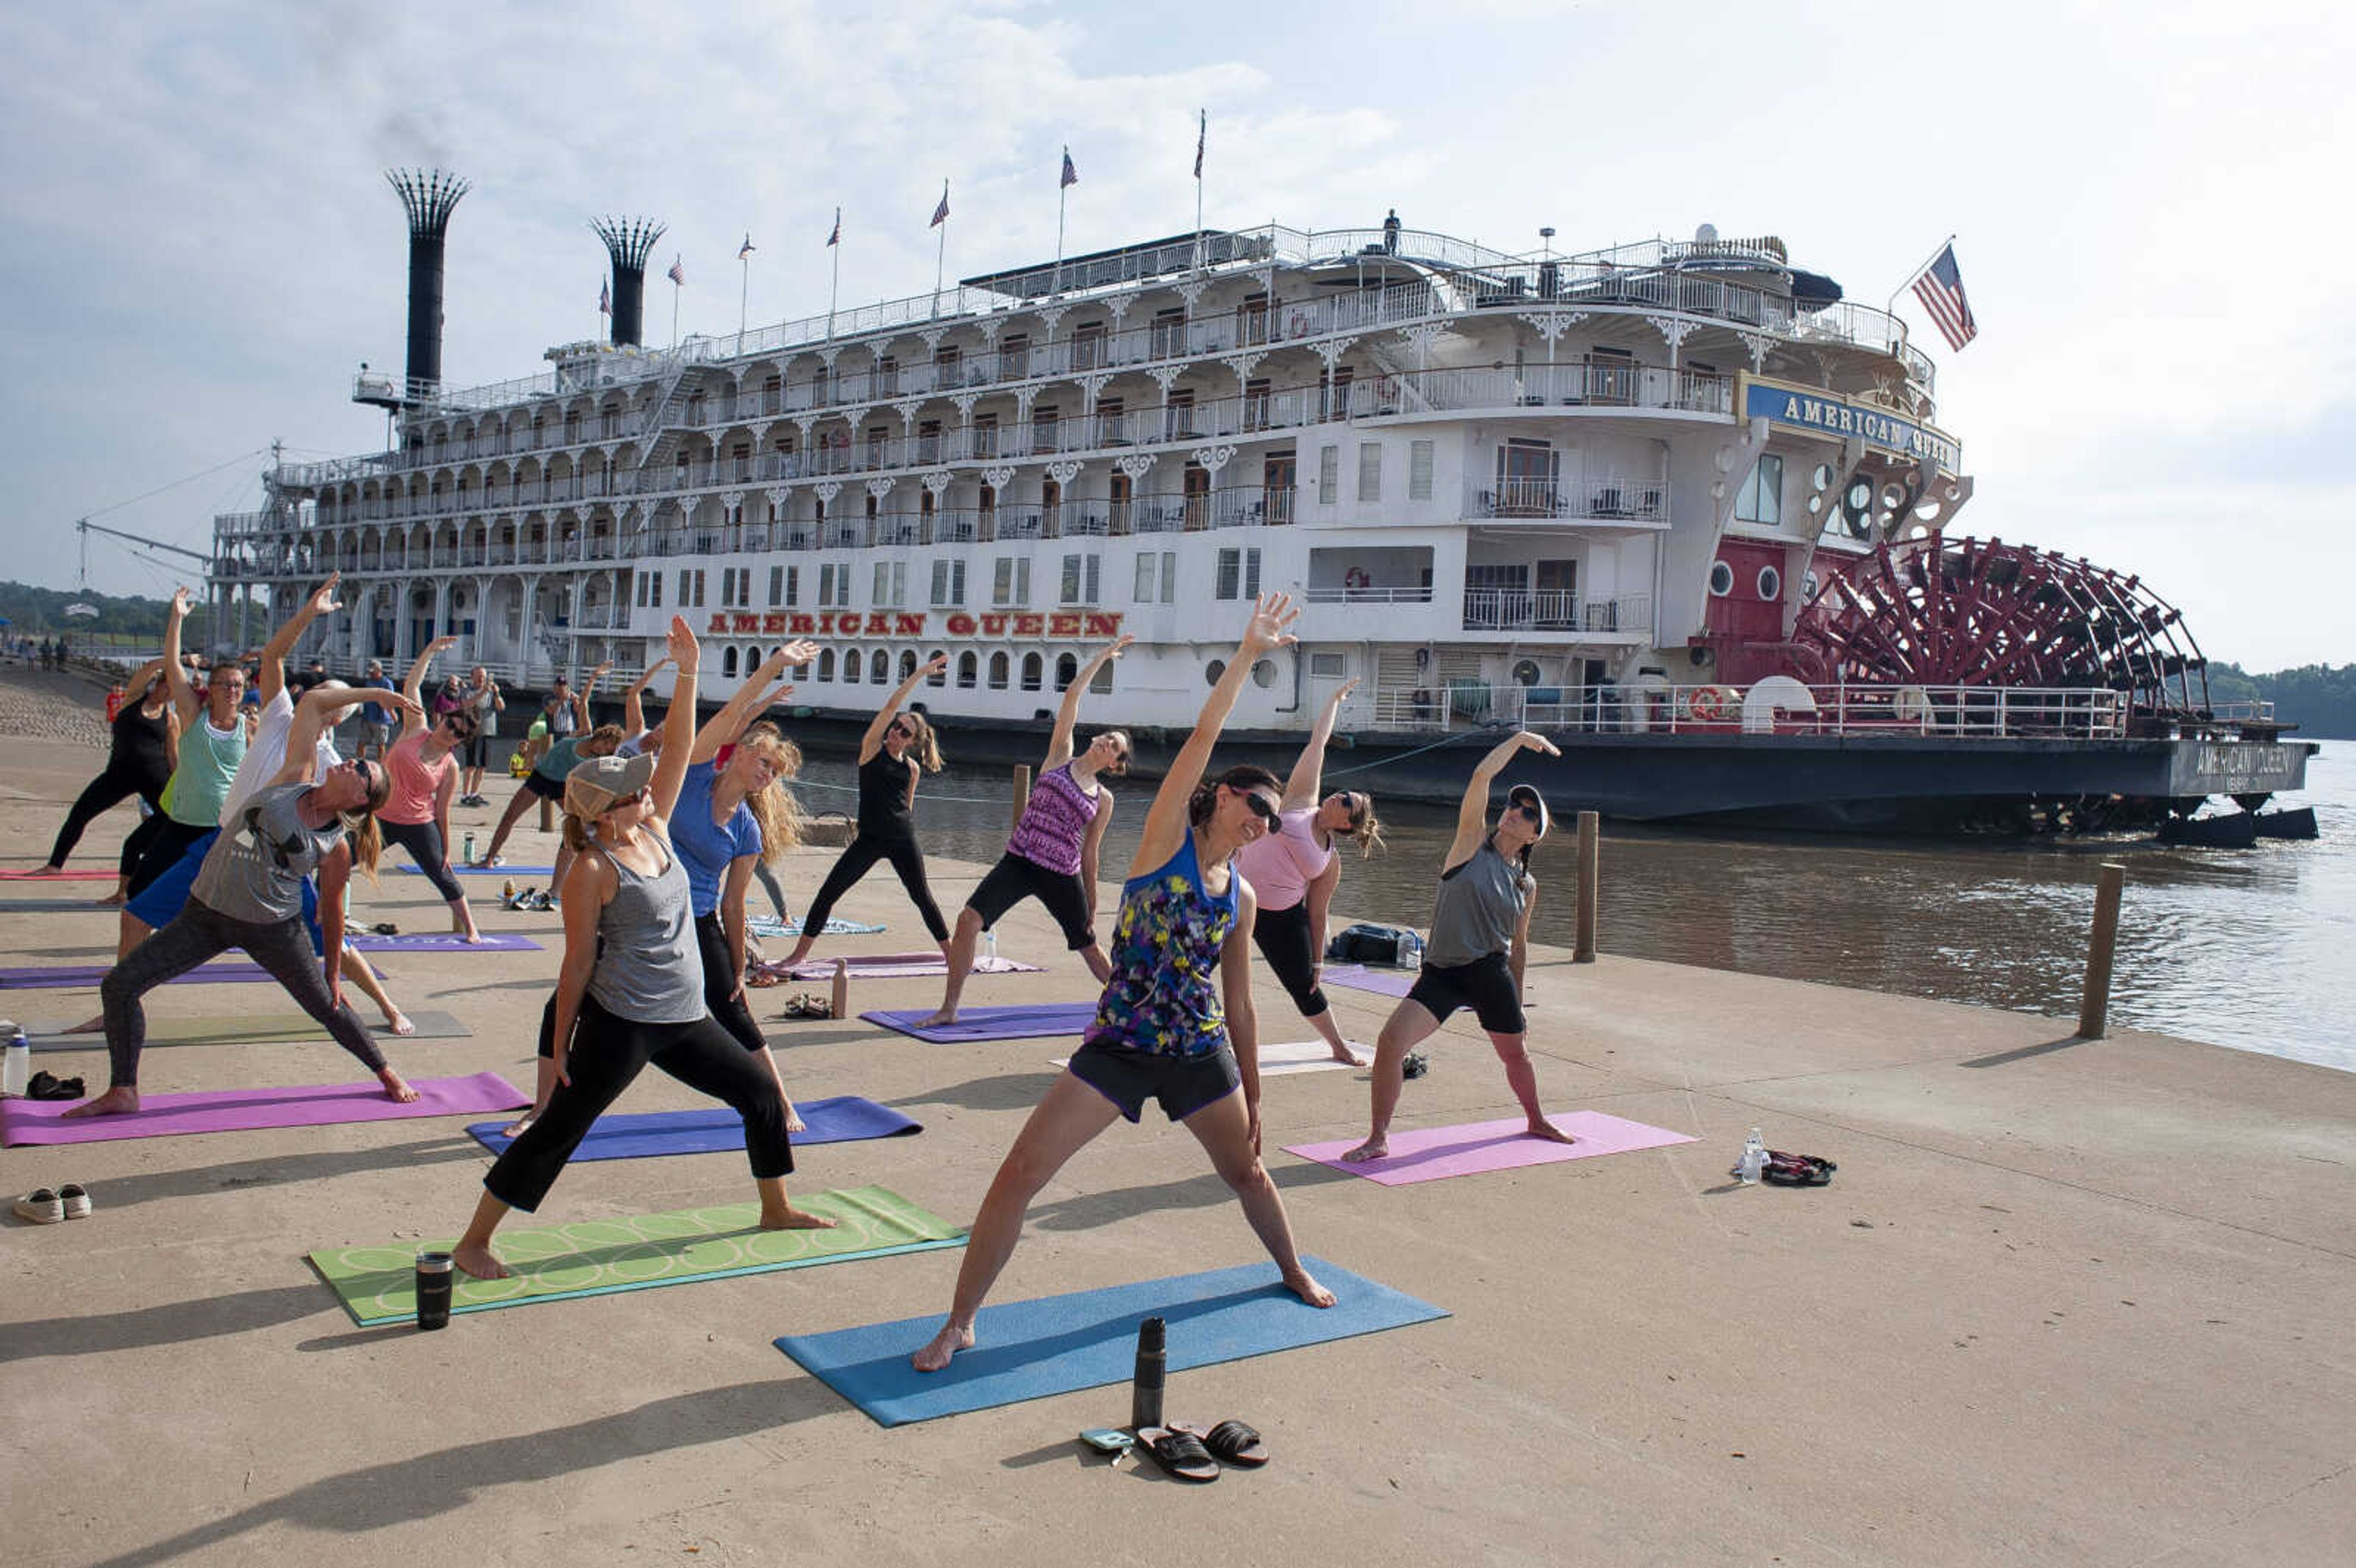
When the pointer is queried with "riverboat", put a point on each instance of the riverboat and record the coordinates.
(1675, 504)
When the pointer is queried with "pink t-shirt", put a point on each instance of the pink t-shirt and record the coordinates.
(1281, 864)
(416, 783)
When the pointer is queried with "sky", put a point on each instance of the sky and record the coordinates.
(2149, 201)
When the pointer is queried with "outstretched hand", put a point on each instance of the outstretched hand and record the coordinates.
(324, 601)
(1340, 692)
(1272, 624)
(685, 651)
(799, 652)
(938, 664)
(1531, 740)
(182, 600)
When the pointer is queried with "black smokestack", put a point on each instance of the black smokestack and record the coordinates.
(429, 195)
(627, 241)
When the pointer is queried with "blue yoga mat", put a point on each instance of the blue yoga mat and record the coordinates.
(1056, 1344)
(1032, 1022)
(715, 1129)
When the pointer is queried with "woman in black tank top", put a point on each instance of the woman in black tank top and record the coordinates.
(139, 763)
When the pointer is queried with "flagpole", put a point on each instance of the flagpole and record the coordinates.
(744, 292)
(1891, 302)
(1062, 191)
(940, 257)
(1202, 134)
(674, 311)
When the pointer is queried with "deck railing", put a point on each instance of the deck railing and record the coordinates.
(1963, 712)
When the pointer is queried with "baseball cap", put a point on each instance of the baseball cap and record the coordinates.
(596, 784)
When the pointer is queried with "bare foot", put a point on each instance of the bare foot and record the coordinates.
(1343, 1053)
(515, 1129)
(466, 933)
(941, 1019)
(478, 1261)
(116, 1102)
(1542, 1128)
(941, 1347)
(794, 1123)
(792, 1218)
(88, 1026)
(1373, 1148)
(800, 952)
(1308, 1290)
(398, 1022)
(396, 1087)
(112, 901)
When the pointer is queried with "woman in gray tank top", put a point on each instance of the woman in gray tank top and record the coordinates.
(631, 989)
(1479, 946)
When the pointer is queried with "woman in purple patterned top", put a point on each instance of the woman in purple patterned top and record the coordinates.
(1176, 1022)
(1053, 855)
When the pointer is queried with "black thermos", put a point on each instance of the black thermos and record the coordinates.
(1145, 1390)
(433, 1282)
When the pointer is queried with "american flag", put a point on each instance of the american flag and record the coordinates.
(941, 213)
(1071, 175)
(836, 238)
(677, 274)
(1940, 289)
(605, 299)
(1202, 134)
(744, 251)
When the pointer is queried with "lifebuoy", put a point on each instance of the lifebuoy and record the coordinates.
(1712, 703)
(1356, 576)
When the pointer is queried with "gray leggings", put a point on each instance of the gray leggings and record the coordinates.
(198, 933)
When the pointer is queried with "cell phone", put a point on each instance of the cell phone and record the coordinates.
(1107, 1439)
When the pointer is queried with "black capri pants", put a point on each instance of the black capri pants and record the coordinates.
(118, 784)
(907, 857)
(163, 850)
(1018, 876)
(728, 1009)
(424, 842)
(1284, 940)
(608, 1053)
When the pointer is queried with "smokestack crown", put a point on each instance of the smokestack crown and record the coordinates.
(629, 240)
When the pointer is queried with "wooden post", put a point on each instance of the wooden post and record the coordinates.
(1022, 794)
(547, 815)
(1589, 847)
(2094, 1008)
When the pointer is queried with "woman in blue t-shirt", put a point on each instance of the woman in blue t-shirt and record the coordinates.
(1176, 1023)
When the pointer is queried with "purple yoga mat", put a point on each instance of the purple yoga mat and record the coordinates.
(442, 941)
(242, 1110)
(902, 966)
(993, 1023)
(1428, 1153)
(215, 974)
(1358, 977)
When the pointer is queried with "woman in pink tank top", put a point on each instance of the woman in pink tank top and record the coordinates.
(423, 767)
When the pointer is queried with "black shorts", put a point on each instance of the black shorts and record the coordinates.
(1485, 985)
(546, 788)
(478, 753)
(1015, 878)
(1129, 1078)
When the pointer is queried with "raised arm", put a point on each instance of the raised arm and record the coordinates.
(633, 710)
(185, 700)
(678, 720)
(271, 679)
(1067, 717)
(412, 718)
(872, 741)
(581, 697)
(317, 712)
(753, 698)
(1165, 823)
(135, 684)
(1472, 812)
(1307, 785)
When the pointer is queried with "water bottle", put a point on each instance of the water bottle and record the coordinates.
(18, 1071)
(1754, 1158)
(1145, 1387)
(989, 945)
(506, 891)
(470, 850)
(1411, 955)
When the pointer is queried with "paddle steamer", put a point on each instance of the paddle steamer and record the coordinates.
(1677, 503)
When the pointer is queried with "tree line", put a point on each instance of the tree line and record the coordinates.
(2320, 699)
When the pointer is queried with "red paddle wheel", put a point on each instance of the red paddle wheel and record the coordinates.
(1931, 612)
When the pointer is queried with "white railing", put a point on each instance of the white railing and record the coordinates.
(1368, 595)
(1956, 712)
(1549, 609)
(1607, 499)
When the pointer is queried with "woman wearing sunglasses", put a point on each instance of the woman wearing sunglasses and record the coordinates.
(423, 766)
(1479, 946)
(1176, 1023)
(248, 893)
(897, 750)
(1293, 871)
(1052, 854)
(631, 990)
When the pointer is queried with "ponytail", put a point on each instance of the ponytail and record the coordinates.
(925, 746)
(1366, 833)
(366, 837)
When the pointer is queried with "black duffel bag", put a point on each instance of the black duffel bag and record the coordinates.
(1386, 945)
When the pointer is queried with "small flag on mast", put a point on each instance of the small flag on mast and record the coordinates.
(677, 274)
(836, 238)
(941, 213)
(1940, 287)
(606, 299)
(744, 251)
(1202, 134)
(1071, 175)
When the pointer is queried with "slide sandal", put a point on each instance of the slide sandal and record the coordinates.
(1237, 1444)
(1180, 1452)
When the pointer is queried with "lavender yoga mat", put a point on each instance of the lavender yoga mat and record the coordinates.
(715, 1129)
(1358, 977)
(1428, 1153)
(902, 966)
(992, 1023)
(242, 1110)
(221, 973)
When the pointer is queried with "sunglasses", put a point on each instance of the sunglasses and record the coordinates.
(1524, 808)
(1259, 806)
(365, 773)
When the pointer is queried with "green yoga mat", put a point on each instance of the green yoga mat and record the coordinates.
(598, 1257)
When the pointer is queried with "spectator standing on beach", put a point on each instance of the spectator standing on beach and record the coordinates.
(376, 722)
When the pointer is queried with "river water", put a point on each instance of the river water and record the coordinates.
(2246, 948)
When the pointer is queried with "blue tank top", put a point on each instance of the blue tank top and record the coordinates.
(1163, 996)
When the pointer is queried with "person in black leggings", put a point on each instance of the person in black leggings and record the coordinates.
(898, 747)
(139, 763)
(423, 766)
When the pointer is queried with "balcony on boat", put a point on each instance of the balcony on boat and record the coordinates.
(1610, 499)
(1560, 610)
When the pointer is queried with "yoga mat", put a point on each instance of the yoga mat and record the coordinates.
(1428, 1153)
(716, 1129)
(442, 941)
(244, 1110)
(1287, 1056)
(902, 966)
(56, 906)
(770, 926)
(39, 875)
(431, 1024)
(1358, 977)
(464, 869)
(238, 972)
(598, 1257)
(1057, 1344)
(992, 1023)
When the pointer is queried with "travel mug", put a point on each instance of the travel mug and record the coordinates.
(1145, 1387)
(433, 1281)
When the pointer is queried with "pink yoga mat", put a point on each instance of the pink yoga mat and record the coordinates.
(37, 875)
(1428, 1153)
(902, 966)
(242, 1110)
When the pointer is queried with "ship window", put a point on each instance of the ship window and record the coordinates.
(907, 662)
(852, 666)
(1762, 500)
(1721, 578)
(1809, 588)
(1328, 667)
(1419, 470)
(1370, 471)
(1329, 475)
(1102, 683)
(948, 582)
(728, 664)
(1067, 665)
(997, 671)
(777, 586)
(1264, 674)
(1169, 576)
(1238, 574)
(826, 664)
(941, 675)
(1771, 583)
(1034, 666)
(879, 667)
(1143, 593)
(1213, 671)
(968, 664)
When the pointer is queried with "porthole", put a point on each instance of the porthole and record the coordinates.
(1809, 588)
(1525, 672)
(1771, 584)
(1213, 671)
(1264, 674)
(1721, 580)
